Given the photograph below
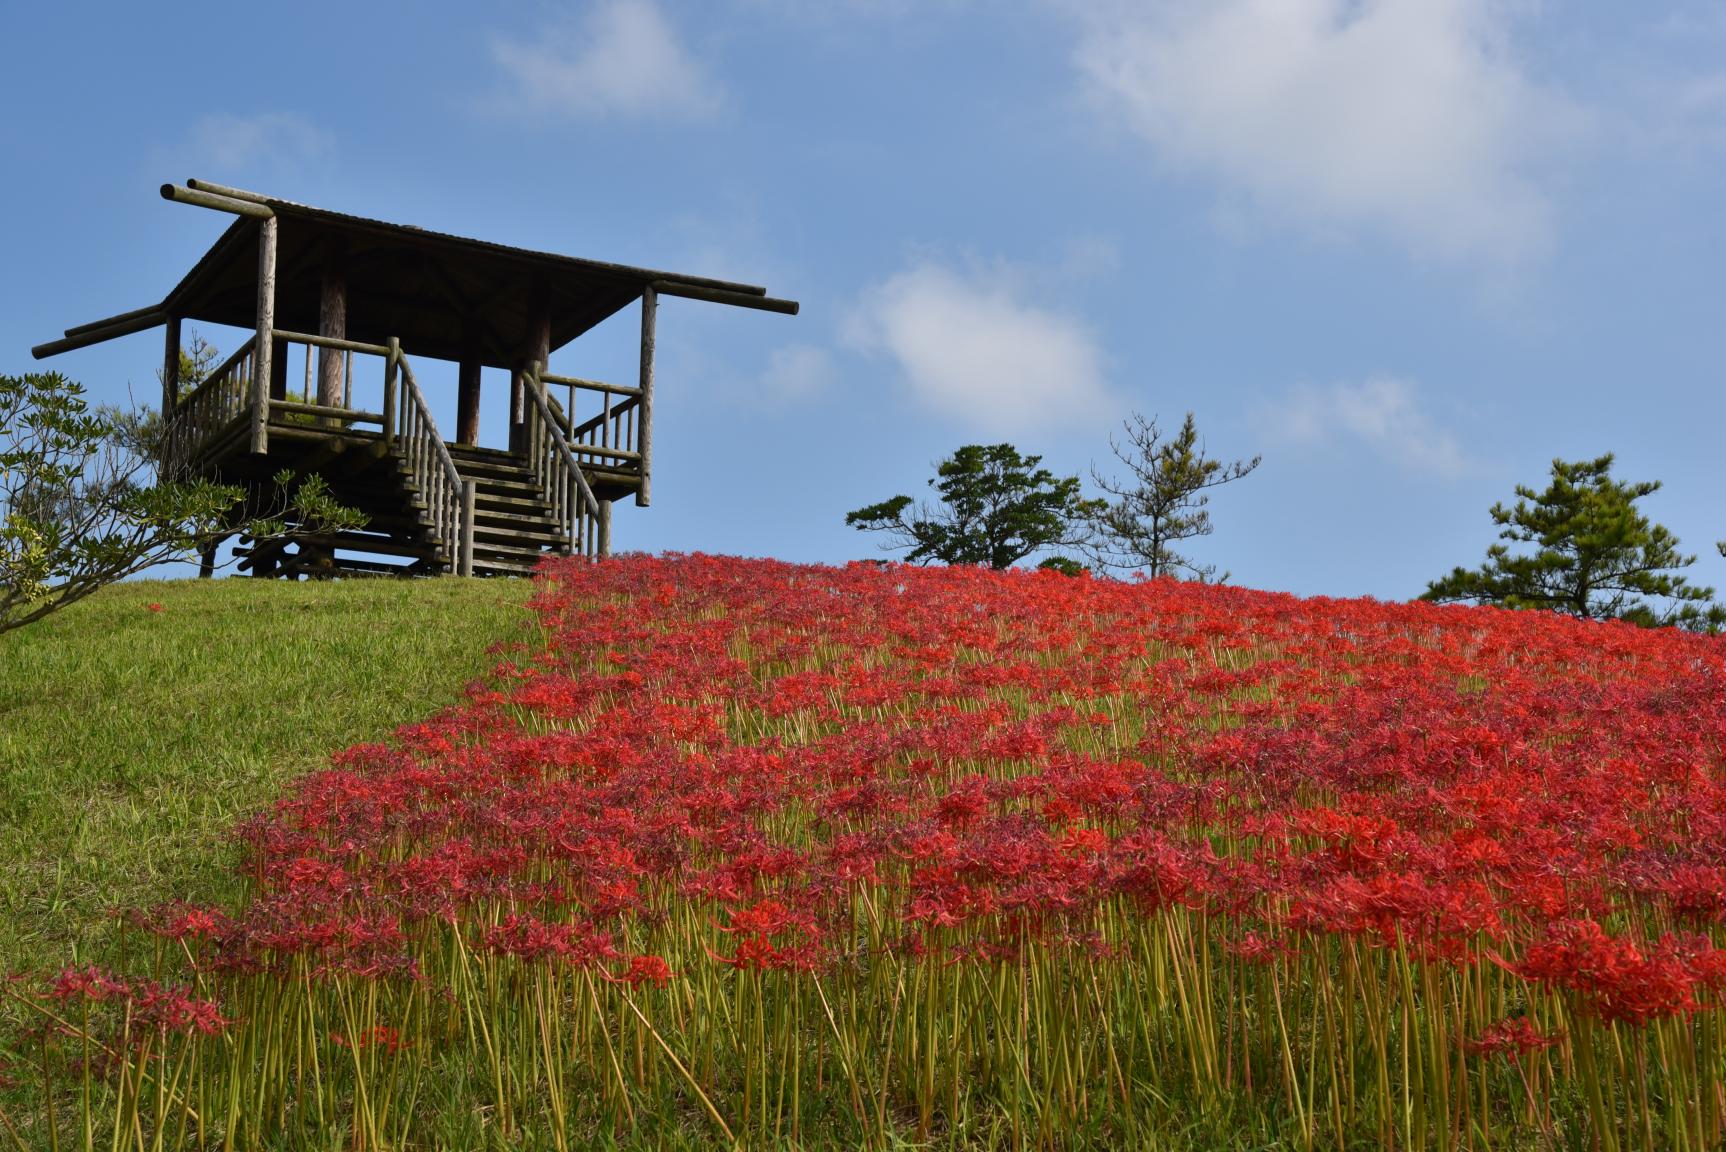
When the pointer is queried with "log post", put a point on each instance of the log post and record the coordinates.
(207, 560)
(170, 367)
(605, 528)
(332, 322)
(391, 363)
(264, 346)
(538, 348)
(279, 371)
(467, 400)
(644, 441)
(464, 561)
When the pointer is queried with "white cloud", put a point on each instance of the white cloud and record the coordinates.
(622, 58)
(1411, 117)
(228, 143)
(973, 348)
(1384, 413)
(798, 372)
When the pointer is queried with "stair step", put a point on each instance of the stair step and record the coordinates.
(482, 468)
(515, 524)
(492, 549)
(488, 533)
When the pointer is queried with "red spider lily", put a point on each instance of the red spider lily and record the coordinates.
(1615, 979)
(87, 983)
(1516, 1036)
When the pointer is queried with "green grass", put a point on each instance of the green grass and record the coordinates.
(131, 740)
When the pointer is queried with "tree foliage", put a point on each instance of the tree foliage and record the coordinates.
(1595, 556)
(81, 506)
(995, 508)
(1161, 503)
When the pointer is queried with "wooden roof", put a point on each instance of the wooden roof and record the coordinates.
(443, 296)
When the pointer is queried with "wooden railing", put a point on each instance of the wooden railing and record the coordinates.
(404, 421)
(207, 412)
(608, 439)
(449, 499)
(555, 466)
(343, 415)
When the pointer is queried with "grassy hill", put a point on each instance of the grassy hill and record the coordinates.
(138, 725)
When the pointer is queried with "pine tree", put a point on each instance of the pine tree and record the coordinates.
(1595, 556)
(996, 507)
(1161, 503)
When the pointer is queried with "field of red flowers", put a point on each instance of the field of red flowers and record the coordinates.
(795, 856)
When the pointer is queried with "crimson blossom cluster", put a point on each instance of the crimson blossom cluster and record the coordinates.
(838, 853)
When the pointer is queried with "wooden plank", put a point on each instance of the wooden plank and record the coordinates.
(264, 343)
(644, 441)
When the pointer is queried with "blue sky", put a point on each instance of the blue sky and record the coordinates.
(1408, 250)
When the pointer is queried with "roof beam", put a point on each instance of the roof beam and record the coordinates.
(134, 314)
(717, 296)
(226, 192)
(219, 203)
(122, 325)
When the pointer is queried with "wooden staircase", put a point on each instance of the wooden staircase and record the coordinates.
(512, 523)
(413, 487)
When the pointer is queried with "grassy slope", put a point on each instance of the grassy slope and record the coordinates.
(130, 739)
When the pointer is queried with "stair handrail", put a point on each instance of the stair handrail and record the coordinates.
(448, 497)
(206, 411)
(555, 467)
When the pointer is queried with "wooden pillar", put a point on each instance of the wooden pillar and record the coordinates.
(207, 560)
(392, 363)
(170, 366)
(464, 553)
(605, 527)
(264, 347)
(279, 371)
(332, 322)
(538, 348)
(467, 400)
(644, 438)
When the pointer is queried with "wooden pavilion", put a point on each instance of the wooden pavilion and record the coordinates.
(331, 291)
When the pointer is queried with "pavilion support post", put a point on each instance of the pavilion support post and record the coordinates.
(644, 438)
(464, 557)
(279, 371)
(538, 349)
(207, 560)
(170, 366)
(467, 400)
(332, 322)
(605, 527)
(391, 366)
(264, 346)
